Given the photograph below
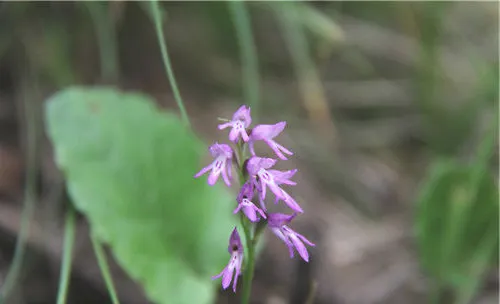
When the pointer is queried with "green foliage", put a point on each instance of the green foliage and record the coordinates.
(457, 225)
(129, 169)
(106, 36)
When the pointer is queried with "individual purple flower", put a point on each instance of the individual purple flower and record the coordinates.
(235, 248)
(241, 120)
(245, 203)
(278, 224)
(267, 133)
(221, 164)
(257, 168)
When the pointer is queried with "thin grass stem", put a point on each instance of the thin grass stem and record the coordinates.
(106, 37)
(32, 139)
(104, 267)
(158, 21)
(69, 240)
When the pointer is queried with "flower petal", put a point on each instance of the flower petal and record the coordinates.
(250, 213)
(283, 149)
(238, 208)
(263, 189)
(301, 249)
(278, 220)
(305, 240)
(229, 167)
(262, 204)
(251, 147)
(225, 125)
(233, 135)
(219, 275)
(227, 276)
(279, 233)
(235, 241)
(246, 191)
(266, 163)
(261, 212)
(290, 202)
(256, 163)
(236, 275)
(283, 177)
(243, 114)
(226, 177)
(278, 192)
(244, 135)
(261, 132)
(274, 146)
(213, 177)
(203, 171)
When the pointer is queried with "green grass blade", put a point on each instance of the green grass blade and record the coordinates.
(69, 240)
(106, 36)
(32, 163)
(156, 14)
(103, 266)
(248, 53)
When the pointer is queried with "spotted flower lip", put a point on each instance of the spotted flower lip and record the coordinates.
(220, 166)
(267, 133)
(250, 210)
(277, 222)
(240, 121)
(233, 267)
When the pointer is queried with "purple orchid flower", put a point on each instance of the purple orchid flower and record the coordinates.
(278, 224)
(245, 203)
(241, 120)
(267, 133)
(257, 167)
(221, 165)
(235, 248)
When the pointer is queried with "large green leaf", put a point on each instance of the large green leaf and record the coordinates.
(129, 169)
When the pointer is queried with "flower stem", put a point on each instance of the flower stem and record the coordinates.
(103, 265)
(250, 266)
(156, 14)
(251, 240)
(69, 240)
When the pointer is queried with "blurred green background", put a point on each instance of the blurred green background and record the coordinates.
(392, 111)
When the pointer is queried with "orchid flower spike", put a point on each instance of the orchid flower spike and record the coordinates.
(240, 122)
(267, 133)
(235, 248)
(245, 203)
(277, 222)
(221, 164)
